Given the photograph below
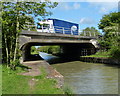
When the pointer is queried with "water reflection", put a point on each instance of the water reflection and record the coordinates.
(54, 59)
(47, 57)
(88, 78)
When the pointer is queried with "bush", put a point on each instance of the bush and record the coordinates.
(115, 51)
(14, 64)
(50, 49)
(68, 91)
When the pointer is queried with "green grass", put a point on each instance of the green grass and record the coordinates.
(12, 83)
(46, 86)
(0, 79)
(67, 89)
(100, 54)
(35, 52)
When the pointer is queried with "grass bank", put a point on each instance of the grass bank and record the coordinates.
(0, 79)
(102, 57)
(12, 83)
(113, 54)
(101, 54)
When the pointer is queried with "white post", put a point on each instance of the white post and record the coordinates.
(42, 28)
(89, 33)
(71, 32)
(79, 32)
(63, 30)
(94, 33)
(84, 33)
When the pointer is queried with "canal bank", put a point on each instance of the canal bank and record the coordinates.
(34, 70)
(100, 60)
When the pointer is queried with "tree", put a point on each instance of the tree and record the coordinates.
(33, 50)
(110, 26)
(14, 18)
(109, 20)
(90, 31)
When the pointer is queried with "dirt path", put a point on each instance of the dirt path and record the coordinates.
(35, 71)
(35, 68)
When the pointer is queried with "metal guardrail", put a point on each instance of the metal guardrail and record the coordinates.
(63, 30)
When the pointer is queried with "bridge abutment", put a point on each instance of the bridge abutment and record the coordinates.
(26, 54)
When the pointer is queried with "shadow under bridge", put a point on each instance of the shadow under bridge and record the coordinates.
(67, 50)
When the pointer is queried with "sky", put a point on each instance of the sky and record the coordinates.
(86, 14)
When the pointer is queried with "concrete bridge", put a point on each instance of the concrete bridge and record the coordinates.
(72, 46)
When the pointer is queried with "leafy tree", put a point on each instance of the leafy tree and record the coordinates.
(90, 31)
(34, 50)
(50, 49)
(14, 18)
(110, 26)
(109, 20)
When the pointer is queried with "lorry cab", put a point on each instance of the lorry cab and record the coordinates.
(45, 26)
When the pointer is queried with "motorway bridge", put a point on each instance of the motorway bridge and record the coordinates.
(72, 46)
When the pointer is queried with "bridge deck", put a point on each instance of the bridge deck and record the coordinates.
(35, 33)
(42, 38)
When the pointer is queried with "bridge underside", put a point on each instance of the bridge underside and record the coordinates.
(69, 50)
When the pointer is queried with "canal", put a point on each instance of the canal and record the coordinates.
(86, 78)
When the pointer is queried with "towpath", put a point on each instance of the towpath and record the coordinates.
(35, 71)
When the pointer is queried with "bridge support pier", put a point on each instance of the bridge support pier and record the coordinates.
(26, 52)
(74, 51)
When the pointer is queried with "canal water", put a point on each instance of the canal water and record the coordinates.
(86, 78)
